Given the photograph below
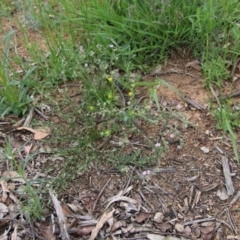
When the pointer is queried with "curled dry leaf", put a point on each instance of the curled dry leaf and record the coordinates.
(38, 133)
(122, 198)
(129, 208)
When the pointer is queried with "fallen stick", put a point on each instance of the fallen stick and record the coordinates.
(61, 217)
(227, 176)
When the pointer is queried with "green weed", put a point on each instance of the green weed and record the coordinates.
(30, 203)
(228, 121)
(14, 95)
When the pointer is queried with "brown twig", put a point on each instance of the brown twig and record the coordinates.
(29, 117)
(100, 194)
(41, 114)
(227, 176)
(230, 220)
(200, 221)
(193, 103)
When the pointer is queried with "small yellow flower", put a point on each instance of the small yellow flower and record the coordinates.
(130, 94)
(107, 133)
(110, 96)
(110, 79)
(91, 108)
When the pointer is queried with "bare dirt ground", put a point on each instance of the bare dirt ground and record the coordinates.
(187, 194)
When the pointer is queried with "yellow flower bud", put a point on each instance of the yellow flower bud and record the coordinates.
(130, 94)
(110, 79)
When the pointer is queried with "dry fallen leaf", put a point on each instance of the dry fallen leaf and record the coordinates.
(143, 216)
(13, 197)
(125, 199)
(156, 71)
(110, 223)
(14, 176)
(83, 231)
(104, 218)
(47, 231)
(179, 227)
(207, 236)
(117, 225)
(164, 226)
(14, 234)
(187, 231)
(4, 186)
(129, 208)
(194, 64)
(65, 210)
(38, 133)
(5, 191)
(138, 198)
(159, 237)
(222, 194)
(4, 236)
(3, 210)
(207, 230)
(152, 236)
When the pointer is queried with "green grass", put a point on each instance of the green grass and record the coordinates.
(88, 43)
(30, 204)
(14, 94)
